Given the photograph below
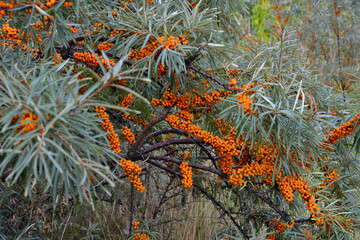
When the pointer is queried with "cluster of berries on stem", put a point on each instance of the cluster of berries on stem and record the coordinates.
(132, 171)
(186, 174)
(108, 127)
(128, 135)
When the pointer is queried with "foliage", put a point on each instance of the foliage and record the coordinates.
(154, 108)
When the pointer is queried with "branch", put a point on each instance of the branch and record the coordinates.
(195, 55)
(212, 78)
(212, 158)
(171, 142)
(145, 131)
(160, 132)
(173, 130)
(5, 174)
(194, 165)
(304, 220)
(101, 183)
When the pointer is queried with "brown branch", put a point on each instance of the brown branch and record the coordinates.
(160, 132)
(194, 165)
(146, 130)
(304, 220)
(5, 174)
(195, 55)
(208, 153)
(173, 130)
(131, 208)
(163, 198)
(171, 142)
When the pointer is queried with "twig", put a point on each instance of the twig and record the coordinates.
(163, 197)
(304, 220)
(131, 209)
(211, 77)
(67, 221)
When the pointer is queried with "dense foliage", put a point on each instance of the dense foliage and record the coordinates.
(149, 108)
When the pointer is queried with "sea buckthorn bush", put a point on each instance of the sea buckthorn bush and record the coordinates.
(144, 119)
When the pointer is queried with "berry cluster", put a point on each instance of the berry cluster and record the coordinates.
(104, 46)
(262, 165)
(128, 99)
(285, 188)
(245, 101)
(132, 170)
(339, 221)
(170, 43)
(287, 184)
(331, 178)
(116, 32)
(187, 175)
(345, 130)
(90, 59)
(57, 59)
(312, 105)
(279, 226)
(232, 83)
(135, 119)
(28, 122)
(298, 184)
(186, 155)
(7, 7)
(309, 236)
(10, 36)
(136, 225)
(141, 236)
(128, 135)
(92, 178)
(158, 45)
(225, 149)
(108, 127)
